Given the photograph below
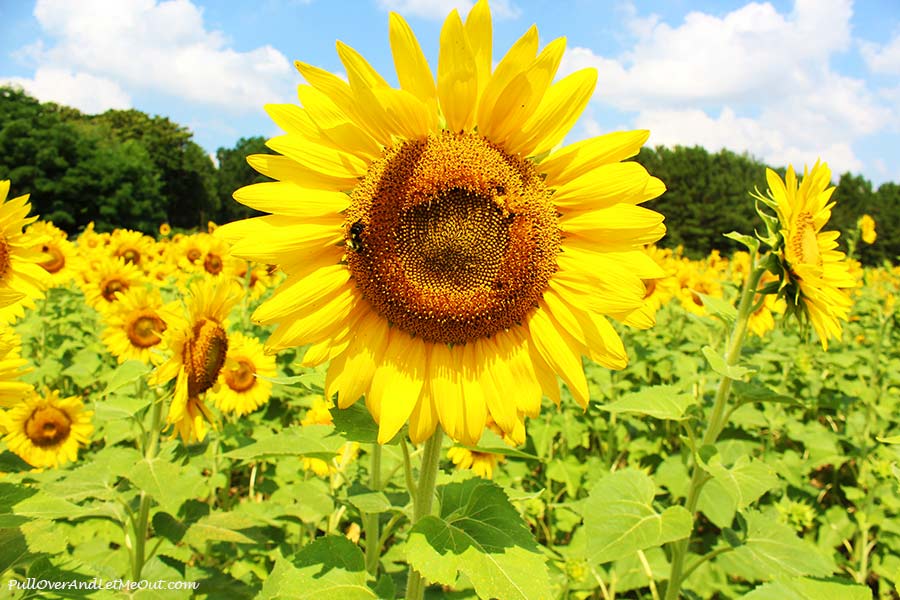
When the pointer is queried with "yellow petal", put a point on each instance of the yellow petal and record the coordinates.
(499, 384)
(336, 126)
(316, 326)
(457, 76)
(474, 406)
(287, 198)
(397, 383)
(582, 157)
(516, 60)
(559, 110)
(303, 295)
(322, 159)
(283, 168)
(620, 223)
(606, 185)
(413, 71)
(559, 355)
(479, 31)
(445, 387)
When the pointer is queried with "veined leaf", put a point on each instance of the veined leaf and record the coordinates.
(331, 568)
(734, 488)
(481, 535)
(170, 485)
(315, 441)
(620, 519)
(659, 402)
(803, 588)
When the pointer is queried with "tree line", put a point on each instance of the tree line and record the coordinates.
(124, 168)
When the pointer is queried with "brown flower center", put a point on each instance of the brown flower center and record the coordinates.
(56, 259)
(804, 242)
(243, 377)
(4, 256)
(213, 263)
(193, 254)
(204, 356)
(451, 239)
(145, 329)
(110, 286)
(129, 255)
(48, 426)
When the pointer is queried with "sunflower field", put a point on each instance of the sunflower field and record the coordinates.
(450, 361)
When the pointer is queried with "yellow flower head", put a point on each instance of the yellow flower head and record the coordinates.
(12, 368)
(199, 346)
(135, 325)
(106, 277)
(46, 430)
(445, 249)
(58, 255)
(22, 280)
(816, 277)
(240, 391)
(165, 229)
(866, 226)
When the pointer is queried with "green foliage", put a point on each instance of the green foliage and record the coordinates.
(234, 172)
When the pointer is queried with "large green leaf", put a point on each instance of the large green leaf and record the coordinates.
(809, 589)
(772, 549)
(659, 402)
(222, 527)
(620, 519)
(316, 441)
(734, 488)
(170, 485)
(331, 568)
(481, 535)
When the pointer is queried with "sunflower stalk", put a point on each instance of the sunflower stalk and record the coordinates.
(717, 419)
(151, 446)
(431, 458)
(370, 520)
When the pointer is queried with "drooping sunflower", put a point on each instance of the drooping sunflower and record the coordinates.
(815, 277)
(240, 391)
(21, 279)
(440, 249)
(135, 325)
(12, 368)
(46, 430)
(199, 345)
(480, 463)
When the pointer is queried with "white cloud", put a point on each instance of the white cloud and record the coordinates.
(439, 9)
(753, 79)
(87, 93)
(159, 46)
(883, 59)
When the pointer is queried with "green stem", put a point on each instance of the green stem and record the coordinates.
(716, 422)
(370, 520)
(431, 458)
(151, 445)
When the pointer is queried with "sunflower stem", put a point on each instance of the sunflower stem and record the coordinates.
(151, 445)
(716, 422)
(370, 520)
(431, 458)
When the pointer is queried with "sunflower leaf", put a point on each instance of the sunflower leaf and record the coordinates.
(733, 488)
(620, 519)
(803, 588)
(170, 485)
(314, 441)
(718, 364)
(481, 535)
(659, 401)
(330, 568)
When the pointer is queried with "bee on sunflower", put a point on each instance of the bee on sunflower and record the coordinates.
(814, 278)
(446, 248)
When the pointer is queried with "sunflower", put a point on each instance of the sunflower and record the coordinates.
(199, 345)
(12, 390)
(59, 257)
(165, 229)
(480, 463)
(240, 391)
(46, 430)
(815, 277)
(21, 279)
(105, 277)
(866, 226)
(439, 248)
(135, 324)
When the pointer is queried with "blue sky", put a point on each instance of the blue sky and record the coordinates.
(786, 81)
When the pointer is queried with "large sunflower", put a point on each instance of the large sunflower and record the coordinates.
(199, 345)
(815, 276)
(46, 430)
(21, 279)
(440, 251)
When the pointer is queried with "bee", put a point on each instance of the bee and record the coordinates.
(355, 241)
